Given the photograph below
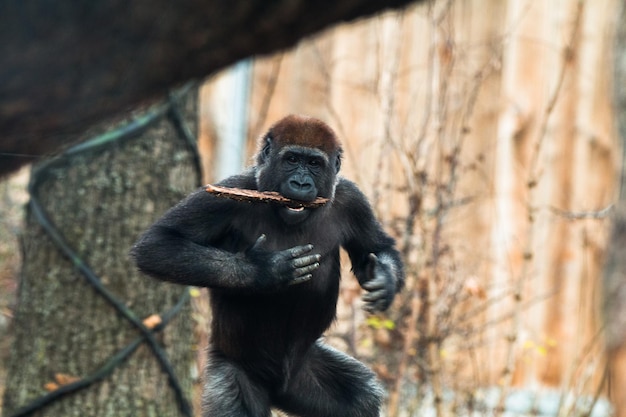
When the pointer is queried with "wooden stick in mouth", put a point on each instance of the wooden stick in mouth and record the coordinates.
(241, 194)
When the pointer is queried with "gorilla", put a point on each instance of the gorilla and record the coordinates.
(273, 275)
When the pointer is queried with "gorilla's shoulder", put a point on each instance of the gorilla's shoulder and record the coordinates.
(348, 194)
(246, 180)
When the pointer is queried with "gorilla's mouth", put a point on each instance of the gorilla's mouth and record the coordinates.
(294, 215)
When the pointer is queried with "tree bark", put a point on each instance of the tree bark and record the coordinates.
(101, 200)
(68, 64)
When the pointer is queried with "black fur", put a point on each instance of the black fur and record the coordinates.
(273, 275)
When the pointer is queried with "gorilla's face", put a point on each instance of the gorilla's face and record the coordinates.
(298, 173)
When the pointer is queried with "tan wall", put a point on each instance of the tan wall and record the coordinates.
(492, 120)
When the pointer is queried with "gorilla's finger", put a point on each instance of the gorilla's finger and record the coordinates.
(306, 270)
(300, 280)
(374, 284)
(374, 296)
(374, 307)
(297, 251)
(306, 260)
(260, 240)
(371, 266)
(370, 308)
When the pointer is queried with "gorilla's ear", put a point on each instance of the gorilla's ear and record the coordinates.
(338, 162)
(266, 149)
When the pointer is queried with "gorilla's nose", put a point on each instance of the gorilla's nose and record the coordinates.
(300, 185)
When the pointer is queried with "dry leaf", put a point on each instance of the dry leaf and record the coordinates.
(152, 321)
(51, 386)
(64, 379)
(60, 380)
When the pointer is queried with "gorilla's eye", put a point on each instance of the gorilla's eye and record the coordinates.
(315, 162)
(292, 159)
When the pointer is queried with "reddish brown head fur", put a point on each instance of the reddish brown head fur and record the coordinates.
(304, 131)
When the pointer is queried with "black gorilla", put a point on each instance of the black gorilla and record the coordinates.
(273, 273)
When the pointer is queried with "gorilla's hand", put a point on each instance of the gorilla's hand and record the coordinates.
(278, 269)
(380, 283)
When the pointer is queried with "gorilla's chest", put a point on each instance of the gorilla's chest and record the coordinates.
(321, 232)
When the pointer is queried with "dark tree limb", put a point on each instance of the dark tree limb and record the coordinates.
(70, 63)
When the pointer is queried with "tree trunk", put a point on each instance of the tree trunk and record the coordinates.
(100, 201)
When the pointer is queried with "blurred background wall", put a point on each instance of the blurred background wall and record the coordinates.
(482, 131)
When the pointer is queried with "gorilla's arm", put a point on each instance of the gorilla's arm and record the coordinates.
(184, 247)
(177, 247)
(375, 260)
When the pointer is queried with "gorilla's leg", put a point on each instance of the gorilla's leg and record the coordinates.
(229, 392)
(332, 384)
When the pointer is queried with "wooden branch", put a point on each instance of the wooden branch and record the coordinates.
(241, 194)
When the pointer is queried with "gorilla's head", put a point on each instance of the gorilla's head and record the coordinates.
(299, 157)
